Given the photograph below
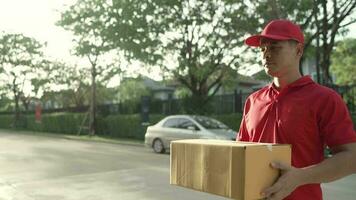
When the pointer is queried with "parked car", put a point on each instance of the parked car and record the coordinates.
(177, 127)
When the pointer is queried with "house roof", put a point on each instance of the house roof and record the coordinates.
(155, 85)
(247, 80)
(240, 79)
(262, 76)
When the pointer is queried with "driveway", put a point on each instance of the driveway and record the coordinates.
(48, 168)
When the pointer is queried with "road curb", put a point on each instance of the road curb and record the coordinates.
(73, 137)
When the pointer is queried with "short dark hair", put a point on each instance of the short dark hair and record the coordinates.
(293, 42)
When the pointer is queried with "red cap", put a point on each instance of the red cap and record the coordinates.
(280, 29)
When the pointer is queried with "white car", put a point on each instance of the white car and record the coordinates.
(177, 127)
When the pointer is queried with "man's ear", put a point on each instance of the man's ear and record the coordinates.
(300, 49)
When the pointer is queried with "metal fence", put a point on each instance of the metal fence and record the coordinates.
(348, 93)
(220, 104)
(234, 103)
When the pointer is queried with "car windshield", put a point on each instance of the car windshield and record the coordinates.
(210, 123)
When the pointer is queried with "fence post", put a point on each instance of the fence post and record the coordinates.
(145, 109)
(238, 101)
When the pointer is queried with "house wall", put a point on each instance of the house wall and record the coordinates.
(244, 88)
(162, 95)
(309, 68)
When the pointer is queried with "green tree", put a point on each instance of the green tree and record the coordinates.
(331, 18)
(130, 92)
(200, 37)
(69, 86)
(321, 21)
(343, 63)
(90, 44)
(199, 42)
(72, 84)
(5, 103)
(40, 81)
(19, 59)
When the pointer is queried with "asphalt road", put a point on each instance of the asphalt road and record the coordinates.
(47, 168)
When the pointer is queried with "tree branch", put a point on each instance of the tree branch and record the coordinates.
(347, 24)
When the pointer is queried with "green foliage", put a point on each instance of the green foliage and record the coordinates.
(200, 39)
(67, 98)
(298, 10)
(201, 36)
(5, 103)
(154, 118)
(330, 23)
(231, 120)
(194, 105)
(125, 126)
(20, 58)
(344, 62)
(65, 123)
(114, 126)
(130, 92)
(6, 121)
(182, 92)
(353, 116)
(105, 94)
(263, 76)
(73, 80)
(88, 21)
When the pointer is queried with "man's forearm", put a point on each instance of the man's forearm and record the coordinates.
(341, 164)
(333, 168)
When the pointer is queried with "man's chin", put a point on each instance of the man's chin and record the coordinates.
(270, 72)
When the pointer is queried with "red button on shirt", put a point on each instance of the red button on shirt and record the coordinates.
(304, 114)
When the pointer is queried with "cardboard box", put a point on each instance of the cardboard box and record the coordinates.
(238, 170)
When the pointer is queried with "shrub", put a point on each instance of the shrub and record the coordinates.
(123, 126)
(115, 126)
(6, 121)
(233, 121)
(67, 123)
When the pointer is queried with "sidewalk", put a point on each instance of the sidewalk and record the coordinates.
(81, 137)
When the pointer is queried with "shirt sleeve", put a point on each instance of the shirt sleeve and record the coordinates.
(335, 122)
(243, 133)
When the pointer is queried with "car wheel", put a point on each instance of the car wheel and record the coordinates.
(158, 146)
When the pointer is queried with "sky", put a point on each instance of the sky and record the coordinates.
(36, 18)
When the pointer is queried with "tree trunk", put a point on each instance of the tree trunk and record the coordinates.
(16, 99)
(92, 109)
(317, 59)
(26, 103)
(17, 111)
(275, 12)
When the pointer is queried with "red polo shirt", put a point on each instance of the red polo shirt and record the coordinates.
(304, 114)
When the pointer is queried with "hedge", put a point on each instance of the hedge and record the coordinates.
(231, 120)
(55, 123)
(125, 126)
(115, 126)
(6, 121)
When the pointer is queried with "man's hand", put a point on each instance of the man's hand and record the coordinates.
(289, 180)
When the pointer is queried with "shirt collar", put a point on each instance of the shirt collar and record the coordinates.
(304, 80)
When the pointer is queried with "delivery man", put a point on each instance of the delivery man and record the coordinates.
(295, 110)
